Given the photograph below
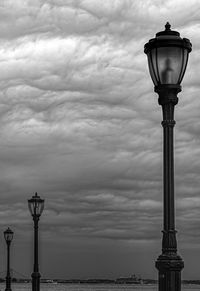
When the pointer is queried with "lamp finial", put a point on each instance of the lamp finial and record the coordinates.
(167, 26)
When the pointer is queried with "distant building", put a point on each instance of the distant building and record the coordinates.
(129, 280)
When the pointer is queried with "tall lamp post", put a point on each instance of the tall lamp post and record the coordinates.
(8, 235)
(167, 55)
(36, 206)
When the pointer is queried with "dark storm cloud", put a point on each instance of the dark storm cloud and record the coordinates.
(80, 124)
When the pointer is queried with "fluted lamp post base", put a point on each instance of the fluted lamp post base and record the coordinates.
(35, 281)
(8, 284)
(169, 268)
(169, 263)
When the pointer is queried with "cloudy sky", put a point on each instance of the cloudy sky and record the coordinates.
(80, 124)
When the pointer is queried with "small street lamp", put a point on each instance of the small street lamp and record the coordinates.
(167, 55)
(36, 206)
(8, 235)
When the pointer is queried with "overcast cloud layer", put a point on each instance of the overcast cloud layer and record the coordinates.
(80, 124)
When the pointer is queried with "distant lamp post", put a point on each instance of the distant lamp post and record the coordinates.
(8, 235)
(36, 206)
(167, 55)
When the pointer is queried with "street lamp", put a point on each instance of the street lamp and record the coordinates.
(8, 235)
(36, 206)
(167, 55)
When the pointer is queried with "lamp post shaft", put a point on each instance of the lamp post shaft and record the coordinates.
(169, 263)
(8, 277)
(36, 267)
(36, 274)
(168, 124)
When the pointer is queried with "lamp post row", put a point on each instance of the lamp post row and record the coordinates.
(36, 206)
(167, 55)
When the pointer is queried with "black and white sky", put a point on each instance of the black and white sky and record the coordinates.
(80, 124)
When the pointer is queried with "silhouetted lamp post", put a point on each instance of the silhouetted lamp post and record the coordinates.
(8, 235)
(167, 55)
(36, 206)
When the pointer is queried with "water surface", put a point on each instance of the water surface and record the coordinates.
(93, 287)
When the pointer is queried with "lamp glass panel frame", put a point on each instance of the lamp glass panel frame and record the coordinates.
(167, 64)
(36, 205)
(8, 235)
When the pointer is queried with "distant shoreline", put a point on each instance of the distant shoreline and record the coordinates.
(100, 281)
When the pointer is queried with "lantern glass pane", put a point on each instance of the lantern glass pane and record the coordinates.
(8, 235)
(36, 206)
(42, 207)
(155, 64)
(39, 206)
(185, 60)
(151, 67)
(169, 61)
(31, 206)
